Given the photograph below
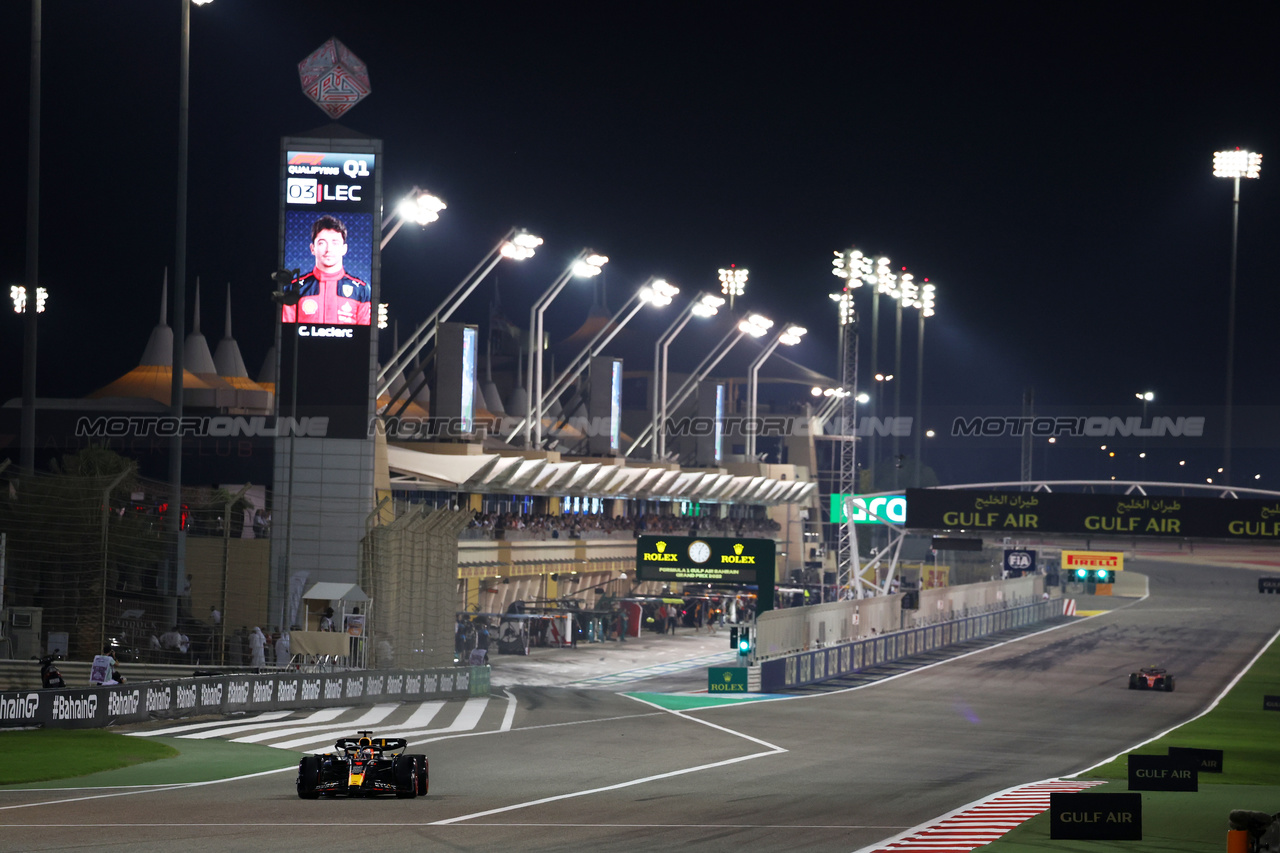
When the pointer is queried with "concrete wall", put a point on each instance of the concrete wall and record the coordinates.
(783, 632)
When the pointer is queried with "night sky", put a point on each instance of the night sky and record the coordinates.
(1048, 166)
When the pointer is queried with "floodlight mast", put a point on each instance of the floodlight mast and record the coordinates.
(419, 205)
(856, 269)
(733, 282)
(655, 291)
(704, 305)
(755, 325)
(790, 335)
(1235, 164)
(586, 264)
(517, 244)
(924, 301)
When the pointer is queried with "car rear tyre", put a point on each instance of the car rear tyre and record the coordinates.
(1168, 684)
(309, 777)
(1133, 681)
(406, 775)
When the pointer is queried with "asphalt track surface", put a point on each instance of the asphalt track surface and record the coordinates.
(568, 769)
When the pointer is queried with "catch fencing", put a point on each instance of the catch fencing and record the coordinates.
(409, 568)
(87, 560)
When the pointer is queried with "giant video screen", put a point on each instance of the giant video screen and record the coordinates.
(329, 204)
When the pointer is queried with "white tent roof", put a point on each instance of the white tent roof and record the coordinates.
(335, 592)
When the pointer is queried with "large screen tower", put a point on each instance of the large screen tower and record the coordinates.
(330, 230)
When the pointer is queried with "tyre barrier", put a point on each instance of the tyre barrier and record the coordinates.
(95, 707)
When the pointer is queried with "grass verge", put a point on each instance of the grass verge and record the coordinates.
(51, 758)
(43, 754)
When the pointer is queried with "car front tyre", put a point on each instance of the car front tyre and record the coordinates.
(405, 770)
(422, 774)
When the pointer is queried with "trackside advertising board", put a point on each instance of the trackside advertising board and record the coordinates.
(93, 707)
(1112, 561)
(1091, 514)
(709, 559)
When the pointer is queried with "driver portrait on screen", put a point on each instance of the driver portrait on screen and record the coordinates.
(329, 294)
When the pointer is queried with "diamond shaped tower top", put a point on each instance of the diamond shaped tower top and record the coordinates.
(334, 78)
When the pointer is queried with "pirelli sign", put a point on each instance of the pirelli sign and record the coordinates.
(1112, 561)
(707, 559)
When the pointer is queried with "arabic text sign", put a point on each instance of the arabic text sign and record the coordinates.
(1093, 514)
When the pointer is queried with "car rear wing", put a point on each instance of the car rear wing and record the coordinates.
(348, 744)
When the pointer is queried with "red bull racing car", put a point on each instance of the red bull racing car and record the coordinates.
(1151, 678)
(363, 766)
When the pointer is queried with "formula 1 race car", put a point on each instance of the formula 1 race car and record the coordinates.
(1151, 678)
(363, 766)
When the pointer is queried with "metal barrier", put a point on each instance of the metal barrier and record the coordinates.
(95, 707)
(845, 659)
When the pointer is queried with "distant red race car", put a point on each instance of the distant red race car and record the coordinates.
(1151, 678)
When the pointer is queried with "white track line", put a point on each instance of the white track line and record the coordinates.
(771, 749)
(468, 718)
(229, 725)
(285, 727)
(372, 717)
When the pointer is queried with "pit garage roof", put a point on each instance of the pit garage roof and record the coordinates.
(491, 473)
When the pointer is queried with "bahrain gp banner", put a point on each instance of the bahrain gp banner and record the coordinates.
(1181, 517)
(95, 707)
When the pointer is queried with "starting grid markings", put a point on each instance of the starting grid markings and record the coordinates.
(987, 821)
(630, 675)
(300, 730)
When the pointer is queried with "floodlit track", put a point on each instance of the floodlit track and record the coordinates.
(575, 769)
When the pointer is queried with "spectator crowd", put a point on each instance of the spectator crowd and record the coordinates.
(493, 525)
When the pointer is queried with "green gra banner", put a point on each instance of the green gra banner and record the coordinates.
(1091, 515)
(886, 508)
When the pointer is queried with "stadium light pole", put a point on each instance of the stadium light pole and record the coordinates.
(1145, 397)
(586, 264)
(754, 325)
(418, 206)
(733, 282)
(790, 335)
(704, 305)
(883, 280)
(655, 291)
(516, 245)
(177, 369)
(1235, 164)
(904, 294)
(923, 301)
(29, 325)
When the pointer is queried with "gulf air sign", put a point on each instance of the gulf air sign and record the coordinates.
(890, 509)
(1112, 561)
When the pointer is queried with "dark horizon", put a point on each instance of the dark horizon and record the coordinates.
(1048, 169)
